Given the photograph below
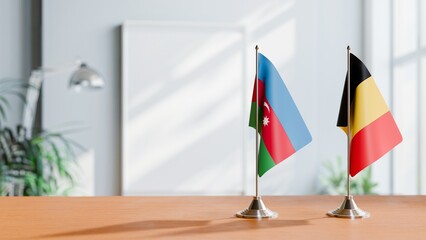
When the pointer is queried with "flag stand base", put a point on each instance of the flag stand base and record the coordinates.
(349, 209)
(257, 209)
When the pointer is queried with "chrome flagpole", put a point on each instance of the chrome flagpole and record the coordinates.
(348, 209)
(257, 121)
(257, 208)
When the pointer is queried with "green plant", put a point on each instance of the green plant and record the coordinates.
(40, 164)
(335, 177)
(35, 166)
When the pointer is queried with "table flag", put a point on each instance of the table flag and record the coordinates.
(373, 129)
(281, 126)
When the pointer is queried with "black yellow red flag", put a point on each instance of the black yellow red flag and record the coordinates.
(373, 128)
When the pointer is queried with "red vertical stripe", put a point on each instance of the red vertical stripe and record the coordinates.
(373, 141)
(275, 137)
(261, 92)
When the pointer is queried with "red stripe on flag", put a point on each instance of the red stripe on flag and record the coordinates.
(274, 136)
(261, 92)
(373, 141)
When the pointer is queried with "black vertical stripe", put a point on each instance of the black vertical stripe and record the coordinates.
(359, 73)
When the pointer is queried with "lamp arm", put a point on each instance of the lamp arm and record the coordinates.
(55, 70)
(31, 100)
(33, 94)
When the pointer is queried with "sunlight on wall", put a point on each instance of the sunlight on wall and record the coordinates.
(395, 47)
(283, 36)
(265, 13)
(407, 95)
(206, 51)
(189, 92)
(406, 115)
(405, 37)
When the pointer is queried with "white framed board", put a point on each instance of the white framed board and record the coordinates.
(184, 115)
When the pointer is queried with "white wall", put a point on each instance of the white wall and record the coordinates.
(305, 39)
(393, 43)
(378, 58)
(15, 47)
(340, 23)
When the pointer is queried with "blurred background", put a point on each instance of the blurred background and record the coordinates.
(172, 117)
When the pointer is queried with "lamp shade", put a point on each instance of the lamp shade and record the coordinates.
(86, 77)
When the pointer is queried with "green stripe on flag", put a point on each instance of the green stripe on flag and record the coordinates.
(252, 121)
(265, 160)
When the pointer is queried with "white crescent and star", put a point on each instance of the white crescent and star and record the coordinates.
(265, 118)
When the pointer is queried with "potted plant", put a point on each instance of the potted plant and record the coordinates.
(334, 180)
(38, 164)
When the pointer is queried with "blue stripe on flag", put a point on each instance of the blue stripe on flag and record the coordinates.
(283, 105)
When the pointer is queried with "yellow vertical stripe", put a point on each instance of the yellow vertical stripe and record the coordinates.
(368, 105)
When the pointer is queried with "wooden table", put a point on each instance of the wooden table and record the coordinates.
(301, 217)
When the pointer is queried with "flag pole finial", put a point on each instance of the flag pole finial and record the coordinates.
(349, 120)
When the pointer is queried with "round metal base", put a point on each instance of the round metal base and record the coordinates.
(257, 209)
(348, 209)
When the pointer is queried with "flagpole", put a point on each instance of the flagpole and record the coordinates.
(257, 208)
(257, 123)
(348, 208)
(349, 120)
